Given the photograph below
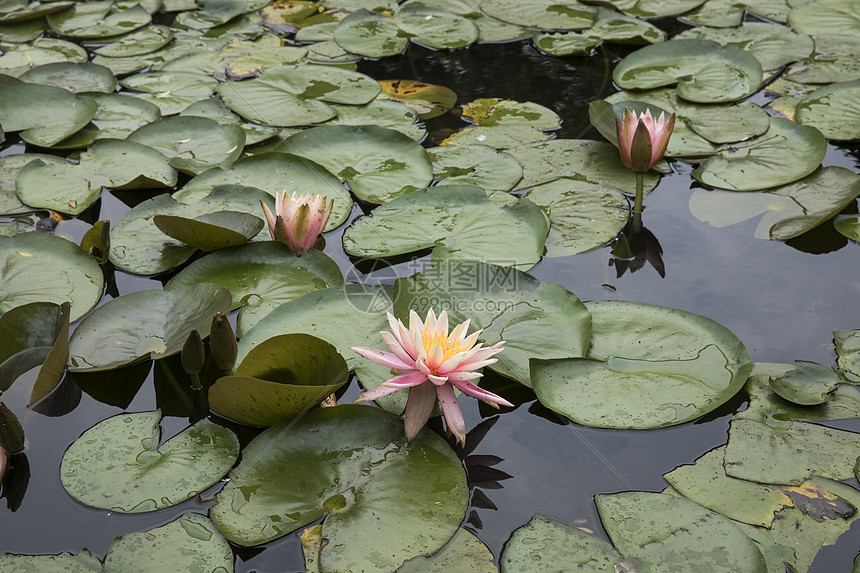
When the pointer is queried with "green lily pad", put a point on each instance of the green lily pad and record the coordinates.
(789, 211)
(653, 8)
(350, 315)
(170, 91)
(24, 11)
(730, 13)
(275, 172)
(347, 464)
(534, 319)
(464, 553)
(28, 335)
(479, 165)
(212, 13)
(834, 110)
(490, 30)
(648, 367)
(144, 324)
(459, 218)
(669, 533)
(789, 452)
(582, 215)
(609, 26)
(377, 35)
(834, 60)
(116, 117)
(45, 268)
(44, 115)
(18, 58)
(848, 350)
(808, 384)
(193, 144)
(848, 225)
(23, 31)
(543, 14)
(545, 543)
(212, 231)
(288, 96)
(251, 65)
(280, 378)
(378, 164)
(785, 153)
(214, 108)
(72, 76)
(380, 113)
(111, 163)
(120, 465)
(772, 45)
(139, 246)
(98, 20)
(705, 71)
(10, 166)
(142, 41)
(826, 17)
(504, 123)
(261, 277)
(579, 159)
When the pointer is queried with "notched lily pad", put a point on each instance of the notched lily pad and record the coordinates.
(808, 384)
(212, 231)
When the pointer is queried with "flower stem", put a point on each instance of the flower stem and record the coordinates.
(640, 184)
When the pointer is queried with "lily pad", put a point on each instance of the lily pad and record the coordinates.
(18, 58)
(281, 377)
(214, 108)
(464, 553)
(808, 384)
(22, 32)
(261, 277)
(535, 319)
(582, 215)
(848, 349)
(834, 60)
(275, 172)
(785, 153)
(545, 543)
(98, 19)
(376, 35)
(772, 45)
(380, 113)
(44, 115)
(24, 11)
(670, 533)
(351, 315)
(789, 211)
(653, 8)
(834, 110)
(212, 231)
(730, 13)
(428, 100)
(170, 91)
(609, 26)
(116, 117)
(346, 463)
(10, 166)
(479, 165)
(378, 164)
(848, 225)
(212, 13)
(648, 367)
(542, 14)
(288, 96)
(461, 219)
(28, 335)
(193, 144)
(826, 17)
(120, 465)
(144, 324)
(45, 268)
(789, 452)
(139, 246)
(142, 41)
(504, 123)
(72, 76)
(705, 71)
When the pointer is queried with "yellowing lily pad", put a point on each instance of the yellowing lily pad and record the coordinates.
(428, 100)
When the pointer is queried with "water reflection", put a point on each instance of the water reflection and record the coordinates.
(635, 246)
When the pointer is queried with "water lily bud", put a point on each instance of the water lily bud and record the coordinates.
(222, 342)
(193, 353)
(298, 220)
(642, 140)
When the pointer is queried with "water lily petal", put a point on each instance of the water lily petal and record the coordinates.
(396, 348)
(451, 411)
(468, 388)
(419, 406)
(382, 357)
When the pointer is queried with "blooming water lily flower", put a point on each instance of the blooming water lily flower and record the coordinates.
(430, 362)
(298, 220)
(643, 140)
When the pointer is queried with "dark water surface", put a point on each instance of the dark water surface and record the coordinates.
(783, 300)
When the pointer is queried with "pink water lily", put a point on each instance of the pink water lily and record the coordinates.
(643, 140)
(430, 362)
(298, 220)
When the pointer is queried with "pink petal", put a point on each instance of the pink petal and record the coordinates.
(451, 411)
(382, 357)
(419, 406)
(376, 392)
(394, 345)
(442, 324)
(392, 385)
(270, 218)
(468, 388)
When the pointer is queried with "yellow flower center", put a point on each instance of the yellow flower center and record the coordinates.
(450, 348)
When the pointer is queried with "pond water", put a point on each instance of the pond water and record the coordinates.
(782, 299)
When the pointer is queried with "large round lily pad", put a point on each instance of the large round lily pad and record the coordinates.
(170, 91)
(212, 231)
(378, 164)
(44, 115)
(648, 367)
(119, 464)
(504, 123)
(705, 71)
(826, 17)
(18, 58)
(98, 19)
(834, 60)
(45, 268)
(535, 319)
(261, 277)
(479, 165)
(280, 378)
(380, 113)
(347, 464)
(144, 324)
(459, 218)
(72, 76)
(116, 117)
(834, 110)
(142, 41)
